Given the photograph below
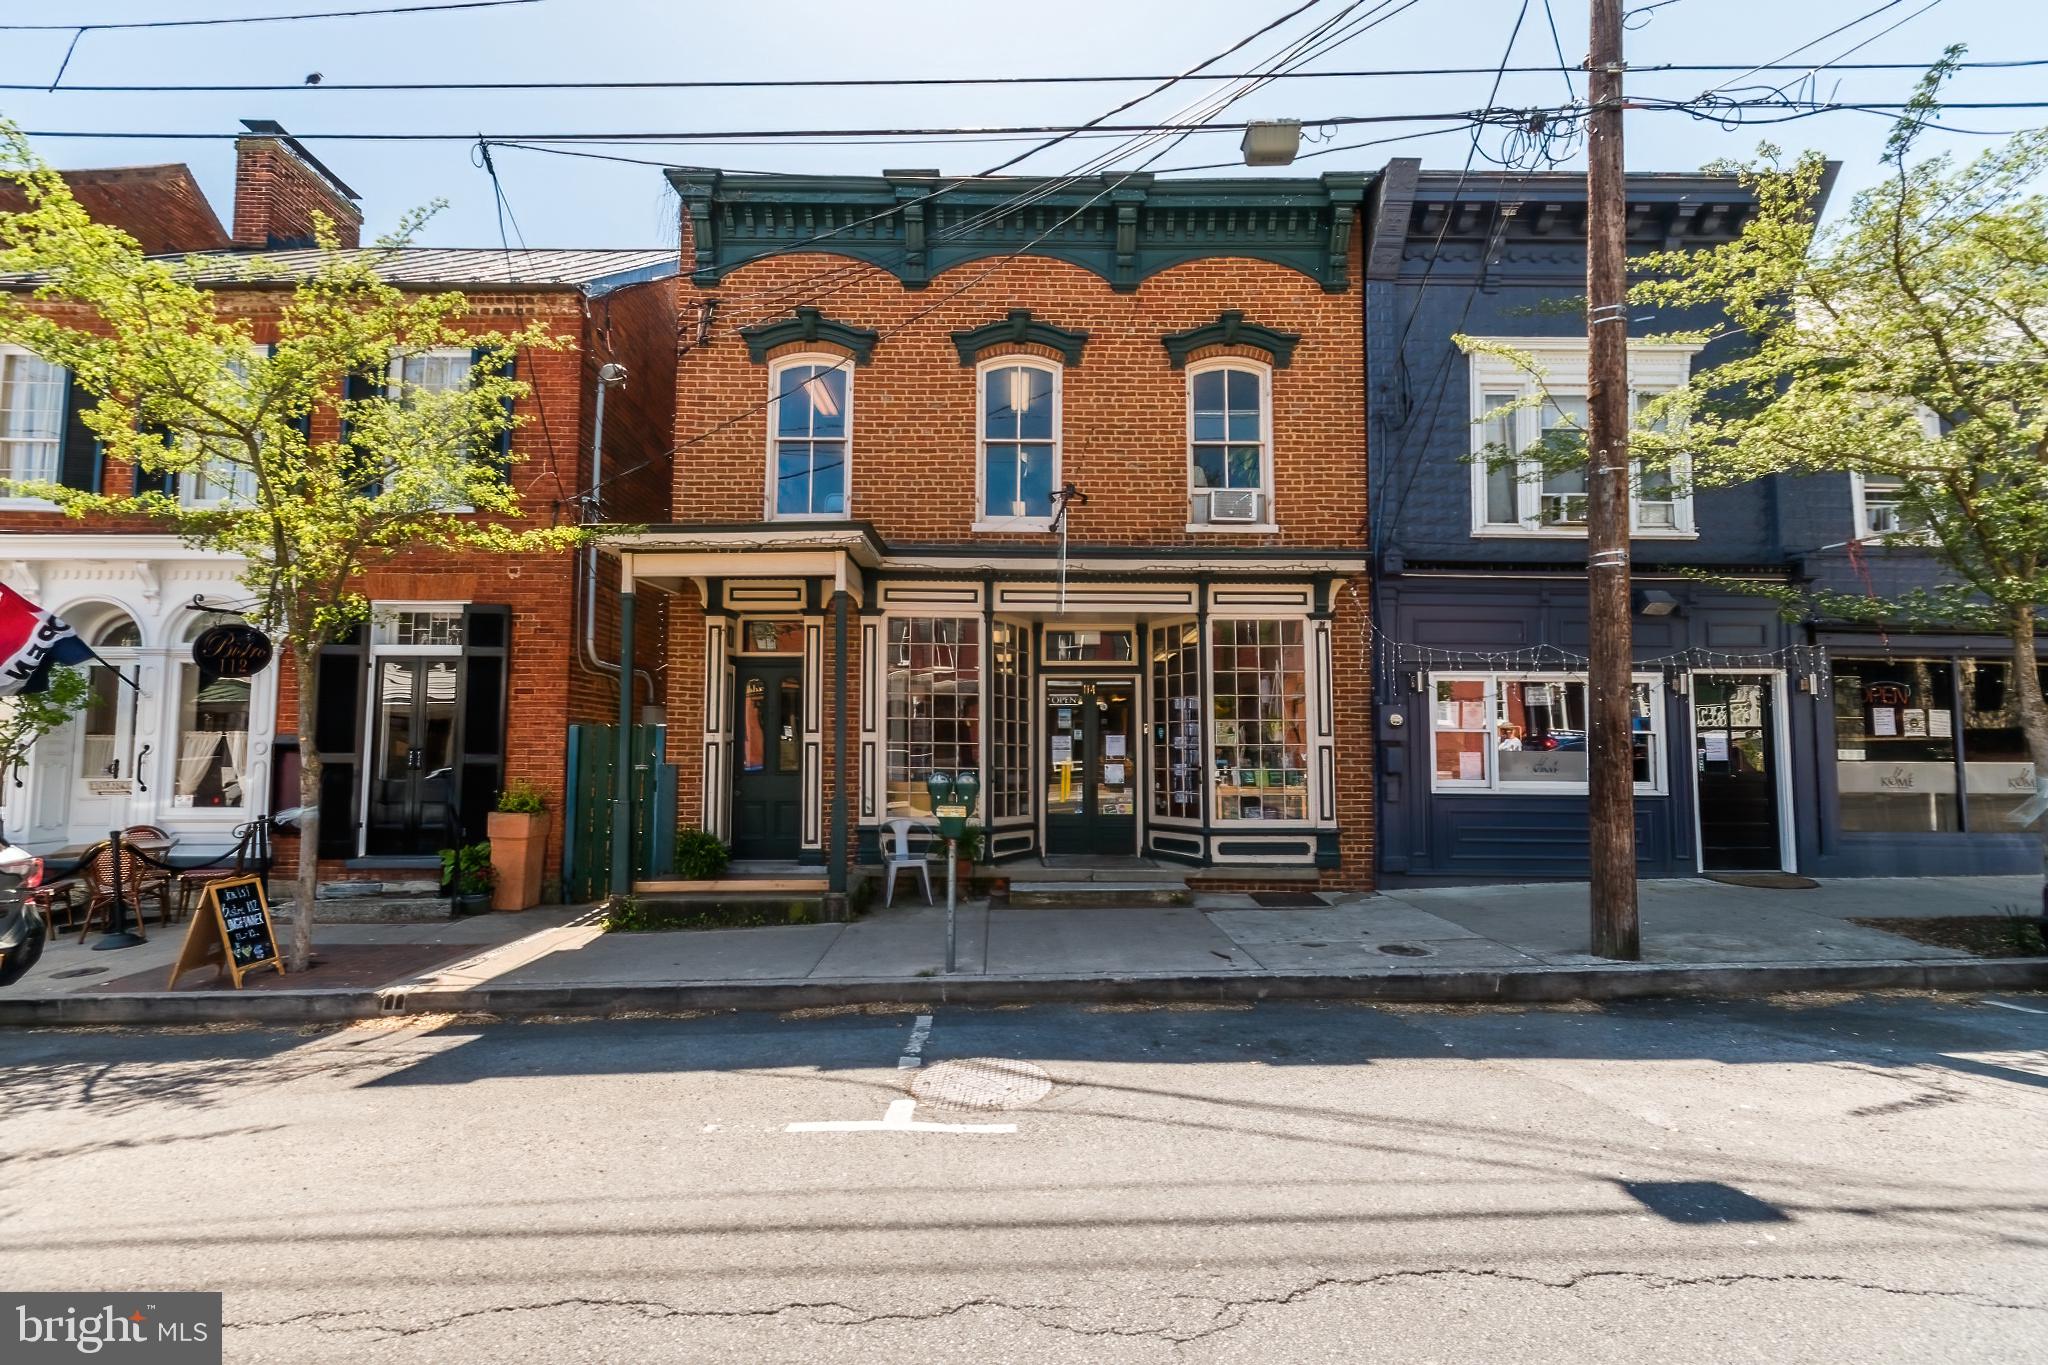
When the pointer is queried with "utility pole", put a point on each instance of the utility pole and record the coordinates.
(1611, 798)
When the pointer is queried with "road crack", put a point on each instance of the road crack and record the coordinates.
(1225, 1315)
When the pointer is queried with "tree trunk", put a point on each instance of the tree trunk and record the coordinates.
(307, 661)
(2026, 673)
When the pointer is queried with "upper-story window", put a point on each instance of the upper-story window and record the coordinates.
(810, 422)
(225, 474)
(1020, 443)
(1880, 498)
(1230, 445)
(442, 370)
(31, 417)
(1519, 486)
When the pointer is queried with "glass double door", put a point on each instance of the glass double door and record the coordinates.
(1091, 775)
(411, 805)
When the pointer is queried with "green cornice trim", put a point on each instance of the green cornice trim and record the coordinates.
(1122, 227)
(1230, 329)
(810, 325)
(1020, 327)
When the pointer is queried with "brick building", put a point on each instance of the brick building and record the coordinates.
(1060, 482)
(473, 668)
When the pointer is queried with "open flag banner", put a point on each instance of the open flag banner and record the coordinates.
(32, 642)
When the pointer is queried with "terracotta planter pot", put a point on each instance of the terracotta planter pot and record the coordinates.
(519, 846)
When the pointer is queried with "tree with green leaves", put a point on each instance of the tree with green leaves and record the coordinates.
(1906, 343)
(26, 717)
(182, 390)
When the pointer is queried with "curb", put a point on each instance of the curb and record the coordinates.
(1522, 985)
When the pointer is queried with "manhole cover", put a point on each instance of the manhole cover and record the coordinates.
(981, 1083)
(1403, 950)
(76, 971)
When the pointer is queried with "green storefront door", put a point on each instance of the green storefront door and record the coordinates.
(768, 762)
(1091, 787)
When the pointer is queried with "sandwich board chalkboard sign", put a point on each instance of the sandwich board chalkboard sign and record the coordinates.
(231, 930)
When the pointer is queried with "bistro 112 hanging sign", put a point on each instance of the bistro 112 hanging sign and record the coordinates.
(232, 649)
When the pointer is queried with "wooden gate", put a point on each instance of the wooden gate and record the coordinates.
(587, 819)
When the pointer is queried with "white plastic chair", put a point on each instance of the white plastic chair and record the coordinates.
(896, 858)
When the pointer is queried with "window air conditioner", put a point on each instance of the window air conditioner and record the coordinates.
(1234, 504)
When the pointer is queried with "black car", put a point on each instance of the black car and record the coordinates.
(21, 926)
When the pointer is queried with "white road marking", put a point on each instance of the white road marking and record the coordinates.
(2008, 1005)
(913, 1051)
(898, 1120)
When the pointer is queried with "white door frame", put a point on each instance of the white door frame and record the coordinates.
(1781, 762)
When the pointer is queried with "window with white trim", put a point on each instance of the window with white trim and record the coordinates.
(225, 473)
(1259, 708)
(1526, 732)
(809, 426)
(1019, 443)
(1230, 444)
(1513, 494)
(1878, 505)
(31, 417)
(431, 374)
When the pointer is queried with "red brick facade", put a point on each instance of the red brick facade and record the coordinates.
(1124, 430)
(277, 193)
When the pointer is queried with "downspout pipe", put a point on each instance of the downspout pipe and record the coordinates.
(608, 376)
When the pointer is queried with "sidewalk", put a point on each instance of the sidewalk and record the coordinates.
(1468, 943)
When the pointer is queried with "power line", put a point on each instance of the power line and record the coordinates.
(254, 19)
(914, 82)
(1492, 114)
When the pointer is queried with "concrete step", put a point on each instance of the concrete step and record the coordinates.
(1030, 871)
(1094, 895)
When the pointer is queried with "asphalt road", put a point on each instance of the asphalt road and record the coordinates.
(1807, 1180)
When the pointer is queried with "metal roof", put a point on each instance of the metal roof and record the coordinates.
(473, 267)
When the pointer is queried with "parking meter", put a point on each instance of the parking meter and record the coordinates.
(953, 800)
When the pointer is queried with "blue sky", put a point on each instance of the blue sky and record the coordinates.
(561, 201)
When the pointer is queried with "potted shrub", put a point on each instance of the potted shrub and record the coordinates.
(467, 876)
(519, 846)
(700, 856)
(970, 851)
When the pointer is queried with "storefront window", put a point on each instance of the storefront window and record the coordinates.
(1895, 748)
(213, 741)
(1177, 722)
(1998, 774)
(1527, 732)
(934, 692)
(1260, 688)
(1009, 736)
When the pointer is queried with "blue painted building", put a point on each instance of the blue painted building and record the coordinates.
(1762, 745)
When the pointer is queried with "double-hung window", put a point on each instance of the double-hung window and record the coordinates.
(811, 399)
(424, 377)
(31, 418)
(1230, 445)
(1878, 505)
(1526, 733)
(1020, 443)
(226, 472)
(1529, 475)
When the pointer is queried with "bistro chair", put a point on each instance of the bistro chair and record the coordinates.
(50, 897)
(252, 854)
(138, 879)
(897, 858)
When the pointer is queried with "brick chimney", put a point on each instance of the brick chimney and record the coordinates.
(279, 185)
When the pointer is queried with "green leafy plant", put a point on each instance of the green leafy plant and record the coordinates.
(970, 845)
(467, 870)
(700, 856)
(181, 390)
(521, 798)
(28, 716)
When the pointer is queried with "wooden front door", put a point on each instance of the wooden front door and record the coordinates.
(768, 762)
